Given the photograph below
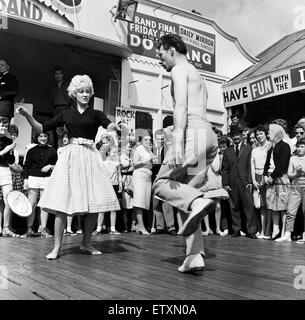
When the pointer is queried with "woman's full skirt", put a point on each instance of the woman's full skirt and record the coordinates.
(79, 184)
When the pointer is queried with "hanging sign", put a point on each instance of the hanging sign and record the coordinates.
(274, 84)
(146, 30)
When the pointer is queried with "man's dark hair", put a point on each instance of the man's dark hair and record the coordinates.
(172, 40)
(301, 140)
(224, 140)
(262, 128)
(58, 68)
(235, 115)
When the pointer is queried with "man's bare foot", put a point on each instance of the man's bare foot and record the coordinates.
(192, 263)
(198, 212)
(90, 249)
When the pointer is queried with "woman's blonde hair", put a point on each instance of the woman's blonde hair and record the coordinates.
(77, 82)
(277, 133)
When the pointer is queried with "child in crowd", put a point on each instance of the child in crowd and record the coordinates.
(252, 139)
(296, 172)
(16, 169)
(299, 130)
(113, 169)
(213, 188)
(7, 158)
(127, 192)
(245, 135)
(103, 146)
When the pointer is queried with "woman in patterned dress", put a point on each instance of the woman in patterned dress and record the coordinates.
(142, 184)
(276, 179)
(75, 184)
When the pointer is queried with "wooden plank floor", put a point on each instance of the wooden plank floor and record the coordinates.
(145, 268)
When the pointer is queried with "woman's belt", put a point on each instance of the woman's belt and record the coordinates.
(82, 141)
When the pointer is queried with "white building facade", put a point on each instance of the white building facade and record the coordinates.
(85, 38)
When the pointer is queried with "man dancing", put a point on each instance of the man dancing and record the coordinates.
(194, 147)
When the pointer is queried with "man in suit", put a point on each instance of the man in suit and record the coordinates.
(60, 101)
(163, 211)
(236, 179)
(9, 90)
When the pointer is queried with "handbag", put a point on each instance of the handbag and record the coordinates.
(16, 168)
(257, 199)
(128, 186)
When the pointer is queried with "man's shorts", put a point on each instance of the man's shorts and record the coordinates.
(37, 182)
(5, 176)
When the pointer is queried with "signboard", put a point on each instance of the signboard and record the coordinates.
(126, 117)
(143, 33)
(38, 10)
(274, 84)
(25, 130)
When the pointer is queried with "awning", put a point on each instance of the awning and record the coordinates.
(281, 70)
(58, 35)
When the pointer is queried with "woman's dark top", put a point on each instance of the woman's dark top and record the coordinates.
(281, 157)
(79, 125)
(38, 157)
(9, 157)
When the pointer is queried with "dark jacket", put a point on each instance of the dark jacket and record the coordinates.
(9, 157)
(281, 157)
(156, 166)
(9, 89)
(38, 157)
(236, 170)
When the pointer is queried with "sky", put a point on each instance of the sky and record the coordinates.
(256, 23)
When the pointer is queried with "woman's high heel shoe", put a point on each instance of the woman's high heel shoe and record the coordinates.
(133, 228)
(142, 231)
(276, 236)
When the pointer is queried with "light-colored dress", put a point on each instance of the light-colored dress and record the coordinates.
(142, 183)
(258, 158)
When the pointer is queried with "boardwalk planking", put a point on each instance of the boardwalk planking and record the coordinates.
(145, 268)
